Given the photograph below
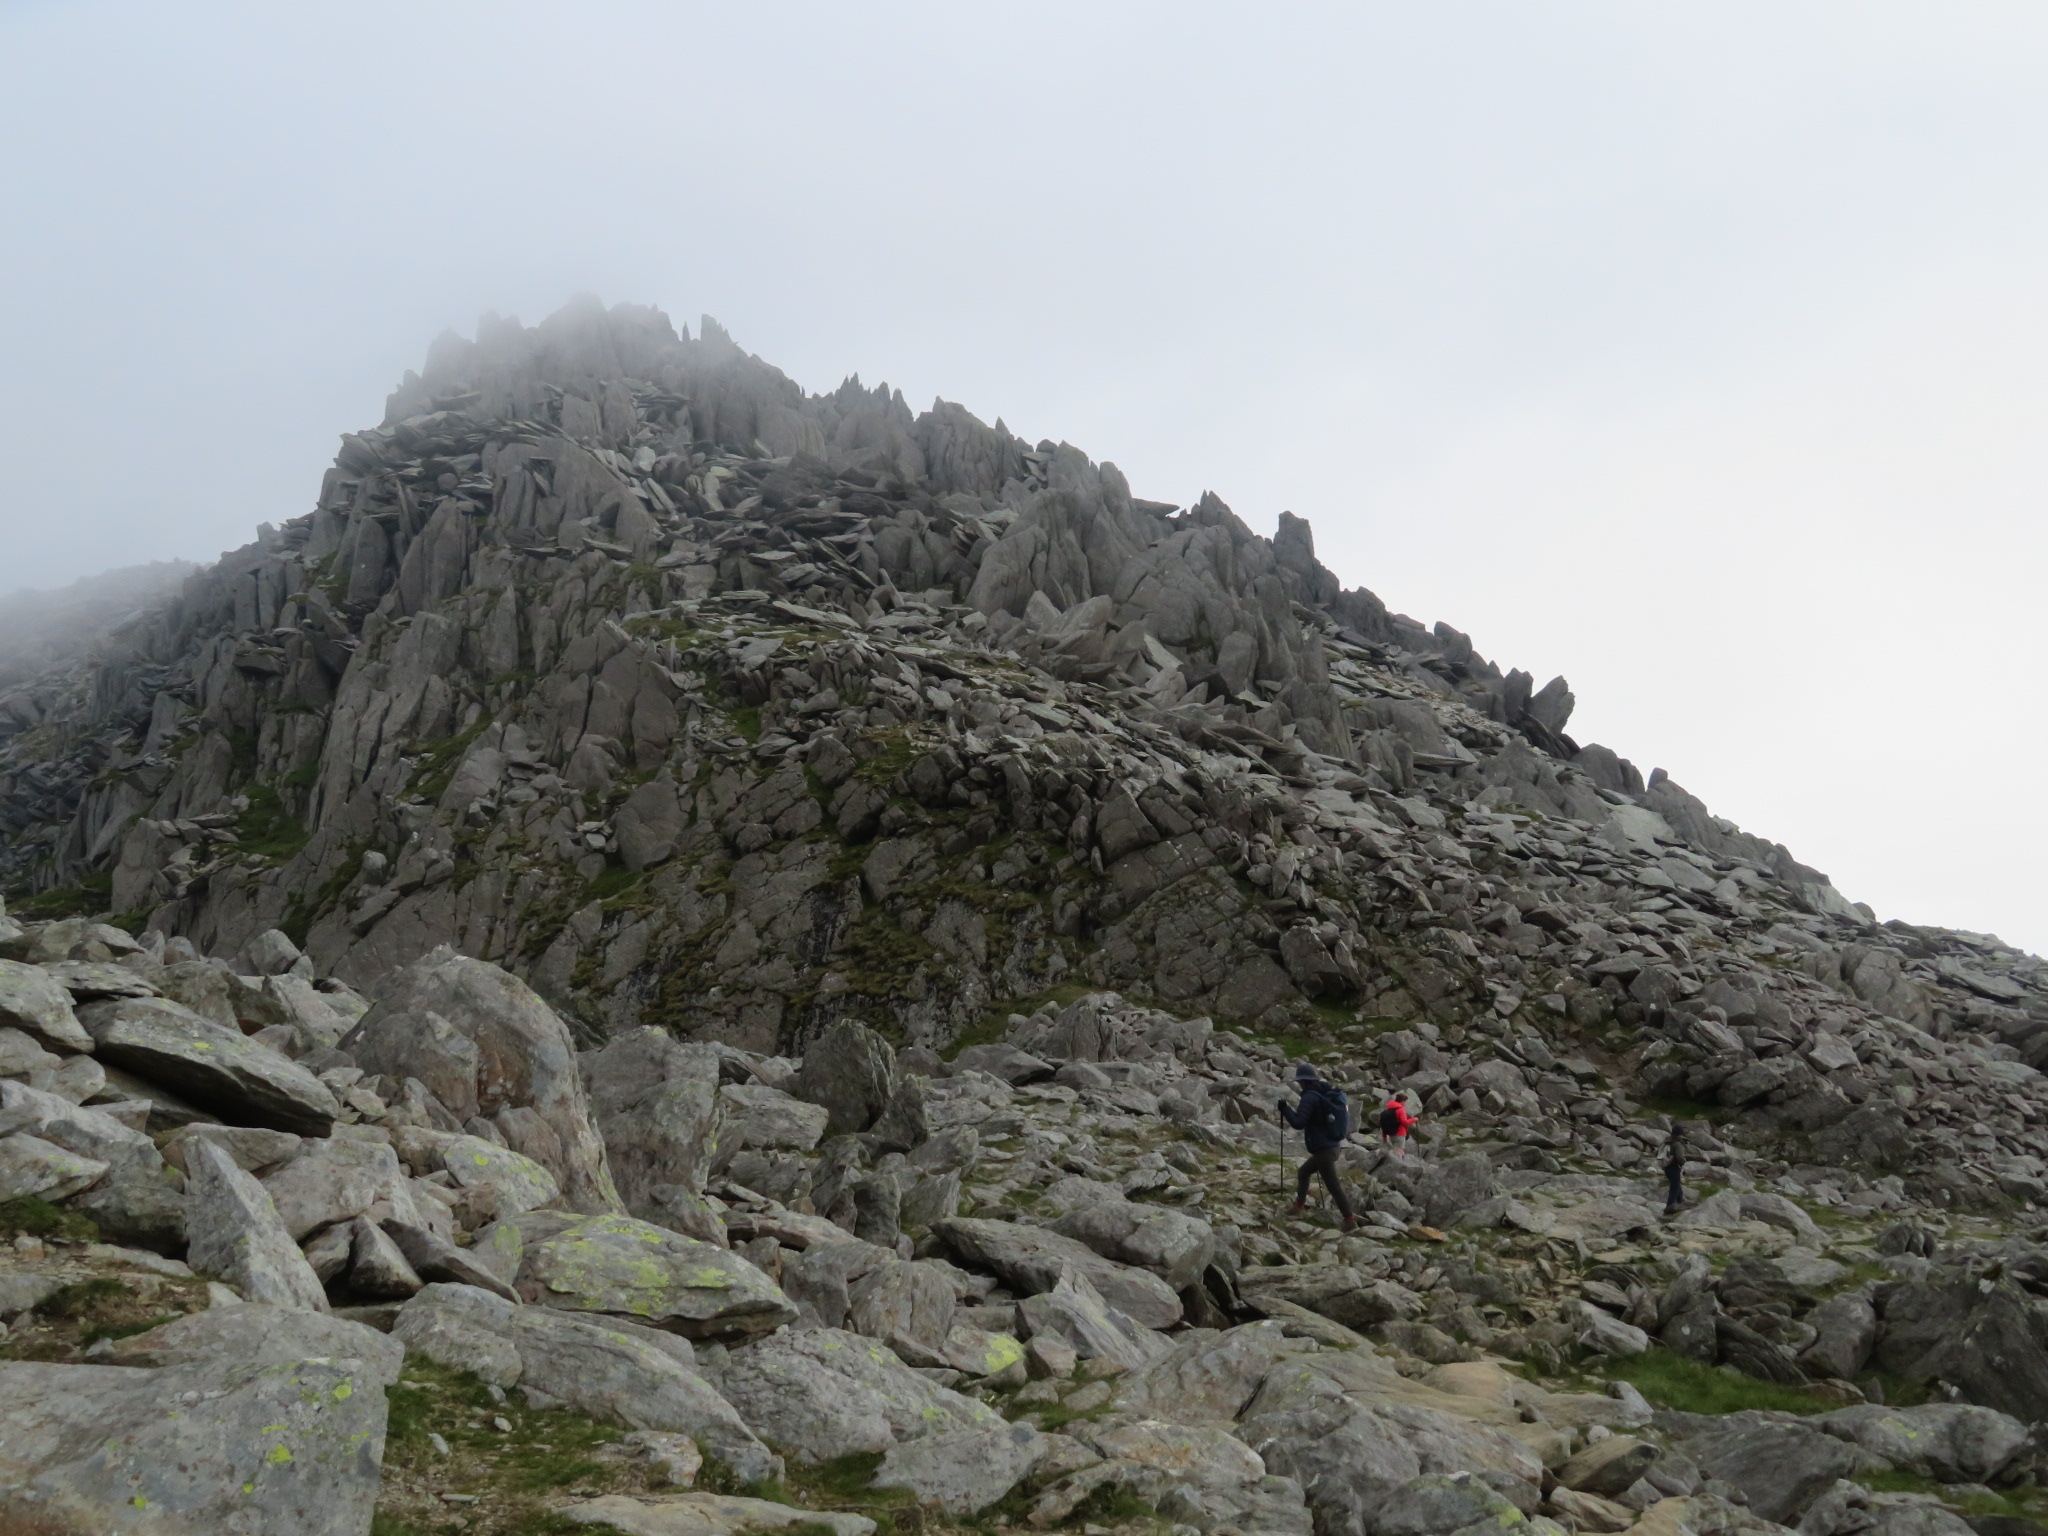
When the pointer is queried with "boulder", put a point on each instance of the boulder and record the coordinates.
(1609, 1466)
(1845, 1328)
(658, 1107)
(333, 1180)
(257, 1334)
(1174, 1246)
(1987, 1341)
(253, 1148)
(137, 1199)
(33, 1000)
(235, 1234)
(965, 1471)
(378, 1269)
(1336, 1291)
(759, 1116)
(34, 1168)
(606, 1372)
(484, 1044)
(1949, 1442)
(213, 1066)
(614, 1264)
(1203, 1477)
(851, 1071)
(501, 1182)
(1207, 1378)
(909, 1307)
(1074, 1313)
(254, 1447)
(1031, 1260)
(1780, 1463)
(824, 1393)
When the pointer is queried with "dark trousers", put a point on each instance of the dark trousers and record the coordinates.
(1677, 1195)
(1325, 1163)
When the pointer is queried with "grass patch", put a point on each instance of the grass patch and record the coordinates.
(2021, 1503)
(91, 896)
(267, 829)
(1675, 1381)
(75, 1316)
(27, 1216)
(518, 1476)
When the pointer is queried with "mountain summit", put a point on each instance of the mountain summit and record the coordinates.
(779, 924)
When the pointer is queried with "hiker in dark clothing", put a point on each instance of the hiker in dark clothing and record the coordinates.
(1324, 1119)
(1674, 1168)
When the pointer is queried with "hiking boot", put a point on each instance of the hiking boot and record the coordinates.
(1298, 1207)
(1349, 1224)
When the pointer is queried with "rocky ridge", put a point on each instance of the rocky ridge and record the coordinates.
(857, 822)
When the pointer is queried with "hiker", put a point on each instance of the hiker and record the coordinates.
(1674, 1167)
(1396, 1121)
(1324, 1120)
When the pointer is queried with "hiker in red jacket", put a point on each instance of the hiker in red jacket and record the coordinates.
(1396, 1121)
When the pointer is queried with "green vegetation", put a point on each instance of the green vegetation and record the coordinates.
(1674, 1381)
(82, 1313)
(746, 721)
(298, 919)
(439, 760)
(26, 1216)
(2024, 1502)
(90, 897)
(267, 829)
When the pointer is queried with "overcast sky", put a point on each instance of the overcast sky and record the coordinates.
(1697, 351)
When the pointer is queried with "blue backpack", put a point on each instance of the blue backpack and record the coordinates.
(1333, 1120)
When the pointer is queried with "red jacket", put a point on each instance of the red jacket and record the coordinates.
(1403, 1115)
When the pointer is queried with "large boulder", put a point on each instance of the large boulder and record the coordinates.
(213, 1066)
(1031, 1260)
(138, 1199)
(707, 1514)
(236, 1235)
(1204, 1477)
(262, 1335)
(1986, 1340)
(32, 999)
(1208, 1378)
(1949, 1442)
(604, 1371)
(1779, 1462)
(825, 1393)
(965, 1471)
(626, 1268)
(1074, 1313)
(851, 1071)
(909, 1307)
(333, 1180)
(237, 1445)
(657, 1105)
(759, 1116)
(487, 1046)
(1172, 1245)
(1337, 1291)
(1355, 1435)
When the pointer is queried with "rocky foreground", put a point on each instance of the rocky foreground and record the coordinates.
(684, 957)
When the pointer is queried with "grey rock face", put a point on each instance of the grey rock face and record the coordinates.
(759, 1116)
(606, 1372)
(1949, 1442)
(237, 1236)
(497, 1048)
(214, 1066)
(254, 1448)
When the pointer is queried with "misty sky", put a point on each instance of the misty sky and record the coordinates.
(1697, 351)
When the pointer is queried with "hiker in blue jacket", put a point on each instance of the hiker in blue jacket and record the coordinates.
(1324, 1120)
